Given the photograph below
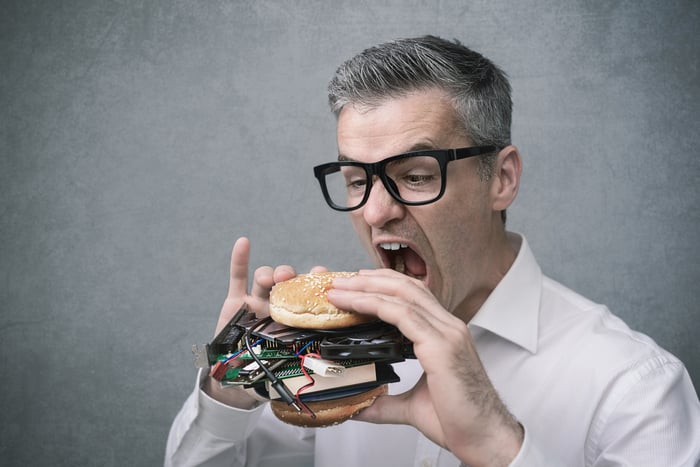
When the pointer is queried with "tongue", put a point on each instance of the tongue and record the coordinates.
(414, 265)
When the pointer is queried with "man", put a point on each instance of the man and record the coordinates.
(512, 368)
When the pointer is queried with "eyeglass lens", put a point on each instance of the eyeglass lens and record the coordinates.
(416, 179)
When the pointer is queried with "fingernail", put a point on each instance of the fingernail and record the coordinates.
(333, 292)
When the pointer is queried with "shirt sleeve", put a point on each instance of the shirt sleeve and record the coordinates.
(531, 456)
(208, 433)
(650, 417)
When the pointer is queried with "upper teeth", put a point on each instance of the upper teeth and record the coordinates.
(392, 246)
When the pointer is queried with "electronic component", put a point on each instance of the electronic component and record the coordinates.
(317, 364)
(374, 341)
(323, 367)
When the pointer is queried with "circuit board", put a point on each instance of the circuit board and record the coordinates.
(257, 353)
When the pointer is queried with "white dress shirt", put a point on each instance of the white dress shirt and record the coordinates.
(588, 390)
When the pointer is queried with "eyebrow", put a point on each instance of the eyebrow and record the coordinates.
(422, 146)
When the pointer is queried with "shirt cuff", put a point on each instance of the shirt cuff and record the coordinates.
(224, 421)
(529, 455)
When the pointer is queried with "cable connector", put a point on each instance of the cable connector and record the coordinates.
(218, 371)
(323, 367)
(275, 382)
(284, 393)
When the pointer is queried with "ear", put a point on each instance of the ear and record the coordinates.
(506, 178)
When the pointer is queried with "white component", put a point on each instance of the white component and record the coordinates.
(323, 367)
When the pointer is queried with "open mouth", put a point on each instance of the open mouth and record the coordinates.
(401, 258)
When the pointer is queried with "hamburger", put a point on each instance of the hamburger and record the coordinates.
(328, 412)
(302, 302)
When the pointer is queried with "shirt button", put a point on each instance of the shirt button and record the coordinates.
(426, 463)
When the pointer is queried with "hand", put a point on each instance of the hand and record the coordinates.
(258, 302)
(454, 403)
(263, 280)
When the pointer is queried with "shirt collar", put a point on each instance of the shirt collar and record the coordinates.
(512, 310)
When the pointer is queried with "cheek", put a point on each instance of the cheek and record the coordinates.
(362, 229)
(358, 222)
(455, 234)
(466, 207)
(448, 238)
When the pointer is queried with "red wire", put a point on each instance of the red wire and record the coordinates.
(306, 386)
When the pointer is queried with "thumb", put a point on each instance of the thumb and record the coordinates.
(385, 409)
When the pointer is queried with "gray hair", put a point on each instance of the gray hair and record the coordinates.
(479, 90)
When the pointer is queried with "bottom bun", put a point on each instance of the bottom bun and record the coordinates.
(329, 412)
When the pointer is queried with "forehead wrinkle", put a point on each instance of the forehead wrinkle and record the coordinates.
(426, 144)
(418, 121)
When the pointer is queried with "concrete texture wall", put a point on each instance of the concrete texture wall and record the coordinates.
(138, 139)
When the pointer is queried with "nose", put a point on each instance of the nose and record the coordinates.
(381, 207)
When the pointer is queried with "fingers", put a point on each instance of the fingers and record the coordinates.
(385, 292)
(385, 282)
(265, 277)
(414, 322)
(238, 280)
(283, 273)
(262, 282)
(403, 302)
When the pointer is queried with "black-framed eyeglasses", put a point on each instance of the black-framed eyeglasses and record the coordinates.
(414, 178)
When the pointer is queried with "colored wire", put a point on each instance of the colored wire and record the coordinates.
(275, 382)
(305, 346)
(308, 385)
(239, 353)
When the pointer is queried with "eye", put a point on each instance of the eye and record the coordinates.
(418, 179)
(356, 184)
(415, 173)
(355, 179)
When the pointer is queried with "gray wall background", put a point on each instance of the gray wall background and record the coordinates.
(138, 139)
